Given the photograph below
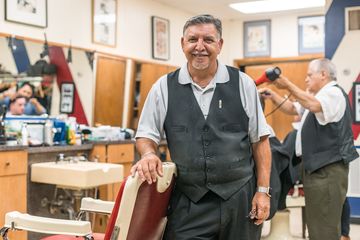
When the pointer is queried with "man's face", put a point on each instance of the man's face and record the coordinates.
(314, 79)
(25, 91)
(18, 107)
(201, 45)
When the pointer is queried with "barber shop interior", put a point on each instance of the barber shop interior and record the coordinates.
(90, 149)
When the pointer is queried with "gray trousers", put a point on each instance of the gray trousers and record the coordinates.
(325, 192)
(212, 217)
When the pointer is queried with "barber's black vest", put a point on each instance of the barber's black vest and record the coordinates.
(213, 153)
(330, 143)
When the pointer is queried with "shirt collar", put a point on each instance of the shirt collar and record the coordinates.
(221, 75)
(329, 84)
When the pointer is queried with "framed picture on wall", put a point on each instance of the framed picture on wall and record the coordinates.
(30, 12)
(352, 18)
(356, 102)
(104, 17)
(311, 34)
(160, 38)
(257, 38)
(67, 92)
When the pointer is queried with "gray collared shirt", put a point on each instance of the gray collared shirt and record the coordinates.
(151, 123)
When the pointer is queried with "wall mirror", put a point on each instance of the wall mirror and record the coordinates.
(20, 61)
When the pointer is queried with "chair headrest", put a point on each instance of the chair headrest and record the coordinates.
(169, 170)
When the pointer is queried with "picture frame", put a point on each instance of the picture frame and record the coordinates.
(28, 12)
(352, 16)
(104, 22)
(67, 93)
(160, 38)
(257, 40)
(356, 102)
(311, 34)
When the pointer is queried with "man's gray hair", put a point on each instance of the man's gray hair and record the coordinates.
(324, 64)
(204, 19)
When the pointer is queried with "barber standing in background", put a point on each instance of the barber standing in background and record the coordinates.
(218, 138)
(325, 143)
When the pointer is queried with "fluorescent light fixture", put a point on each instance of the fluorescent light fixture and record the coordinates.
(275, 5)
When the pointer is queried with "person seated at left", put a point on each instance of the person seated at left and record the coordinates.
(17, 106)
(26, 89)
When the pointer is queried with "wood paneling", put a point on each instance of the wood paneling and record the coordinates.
(150, 73)
(144, 76)
(109, 91)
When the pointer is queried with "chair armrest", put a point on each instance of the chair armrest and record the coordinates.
(23, 221)
(295, 201)
(96, 205)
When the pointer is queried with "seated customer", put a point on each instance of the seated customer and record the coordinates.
(17, 106)
(32, 107)
(281, 179)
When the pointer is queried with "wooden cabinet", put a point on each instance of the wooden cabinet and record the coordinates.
(13, 174)
(123, 154)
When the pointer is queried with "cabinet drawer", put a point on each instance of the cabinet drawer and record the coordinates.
(120, 153)
(13, 163)
(98, 152)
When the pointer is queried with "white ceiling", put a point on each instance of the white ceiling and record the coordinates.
(221, 9)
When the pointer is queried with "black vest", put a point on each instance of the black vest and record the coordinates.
(213, 154)
(330, 143)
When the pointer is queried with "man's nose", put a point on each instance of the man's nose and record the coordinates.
(200, 44)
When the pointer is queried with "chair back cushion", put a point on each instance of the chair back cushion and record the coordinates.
(140, 209)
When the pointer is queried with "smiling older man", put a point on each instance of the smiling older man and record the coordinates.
(216, 134)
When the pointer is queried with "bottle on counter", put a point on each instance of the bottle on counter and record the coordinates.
(48, 132)
(2, 124)
(71, 131)
(24, 135)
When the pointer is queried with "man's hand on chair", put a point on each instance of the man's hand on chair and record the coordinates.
(148, 167)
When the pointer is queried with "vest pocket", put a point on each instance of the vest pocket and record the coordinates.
(178, 128)
(233, 127)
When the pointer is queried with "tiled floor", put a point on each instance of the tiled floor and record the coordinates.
(296, 226)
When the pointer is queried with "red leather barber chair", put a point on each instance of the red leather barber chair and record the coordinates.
(138, 213)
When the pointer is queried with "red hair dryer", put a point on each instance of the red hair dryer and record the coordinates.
(269, 75)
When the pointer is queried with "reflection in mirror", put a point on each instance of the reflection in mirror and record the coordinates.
(21, 58)
(36, 90)
(21, 73)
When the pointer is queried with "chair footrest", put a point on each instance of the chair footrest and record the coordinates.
(23, 221)
(295, 201)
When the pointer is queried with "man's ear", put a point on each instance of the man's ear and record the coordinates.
(324, 75)
(220, 43)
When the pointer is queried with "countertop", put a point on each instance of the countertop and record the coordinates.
(62, 148)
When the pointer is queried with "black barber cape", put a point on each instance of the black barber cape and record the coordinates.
(284, 170)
